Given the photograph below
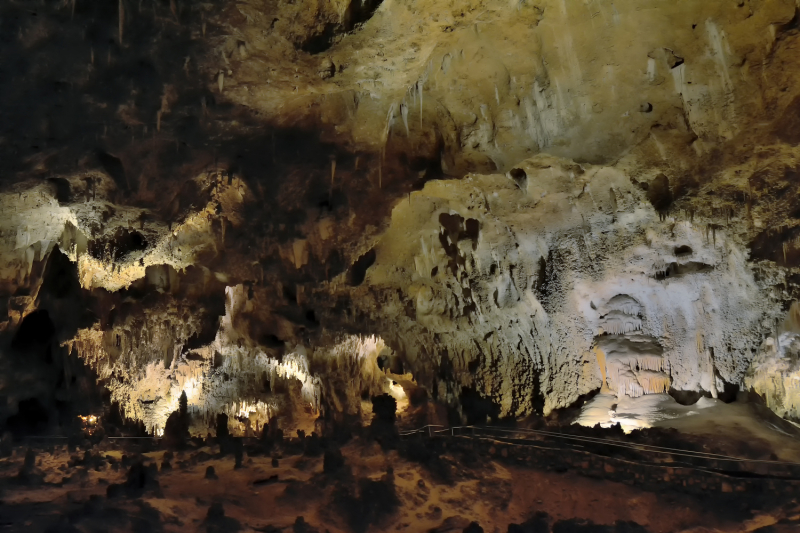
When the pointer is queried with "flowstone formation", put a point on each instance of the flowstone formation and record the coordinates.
(282, 209)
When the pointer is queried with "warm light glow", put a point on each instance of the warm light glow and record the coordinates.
(88, 419)
(396, 390)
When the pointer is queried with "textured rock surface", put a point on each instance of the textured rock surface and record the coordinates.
(511, 288)
(488, 86)
(775, 375)
(270, 204)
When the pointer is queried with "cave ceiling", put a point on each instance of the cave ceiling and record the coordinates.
(524, 201)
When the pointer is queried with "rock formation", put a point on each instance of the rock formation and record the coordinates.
(278, 208)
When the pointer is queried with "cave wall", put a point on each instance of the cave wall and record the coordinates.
(491, 85)
(524, 202)
(515, 307)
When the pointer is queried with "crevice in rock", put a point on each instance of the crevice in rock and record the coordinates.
(356, 13)
(659, 194)
(687, 397)
(119, 245)
(520, 177)
(358, 271)
(675, 270)
(35, 331)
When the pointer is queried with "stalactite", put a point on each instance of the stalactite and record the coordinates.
(653, 382)
(121, 20)
(333, 174)
(650, 362)
(621, 326)
(419, 86)
(628, 384)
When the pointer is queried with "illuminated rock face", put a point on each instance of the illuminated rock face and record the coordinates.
(239, 379)
(531, 293)
(775, 375)
(483, 87)
(576, 269)
(524, 201)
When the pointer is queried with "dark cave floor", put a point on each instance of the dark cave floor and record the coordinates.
(499, 480)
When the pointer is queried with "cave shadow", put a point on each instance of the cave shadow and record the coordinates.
(50, 385)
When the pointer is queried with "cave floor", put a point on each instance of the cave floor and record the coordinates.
(69, 491)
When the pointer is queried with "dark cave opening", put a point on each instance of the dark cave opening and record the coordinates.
(358, 271)
(35, 331)
(477, 409)
(31, 418)
(659, 193)
(357, 13)
(124, 241)
(685, 397)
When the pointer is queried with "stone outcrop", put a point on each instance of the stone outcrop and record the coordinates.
(284, 204)
(538, 294)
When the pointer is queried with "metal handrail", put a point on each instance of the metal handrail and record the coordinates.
(648, 448)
